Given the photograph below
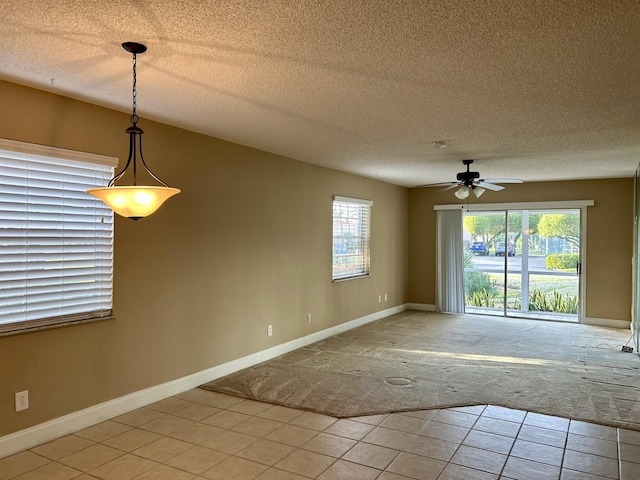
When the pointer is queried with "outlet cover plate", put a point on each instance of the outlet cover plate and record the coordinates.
(22, 400)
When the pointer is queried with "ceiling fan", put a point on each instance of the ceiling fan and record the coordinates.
(471, 182)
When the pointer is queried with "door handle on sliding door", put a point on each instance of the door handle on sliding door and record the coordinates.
(579, 268)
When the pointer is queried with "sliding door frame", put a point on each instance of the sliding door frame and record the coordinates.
(635, 310)
(568, 204)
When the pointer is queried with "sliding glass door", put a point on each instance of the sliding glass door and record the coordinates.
(523, 263)
(484, 272)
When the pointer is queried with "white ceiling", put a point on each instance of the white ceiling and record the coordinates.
(540, 89)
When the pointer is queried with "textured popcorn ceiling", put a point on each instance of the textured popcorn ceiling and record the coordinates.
(540, 89)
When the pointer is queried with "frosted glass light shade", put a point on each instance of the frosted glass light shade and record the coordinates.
(462, 193)
(478, 191)
(134, 201)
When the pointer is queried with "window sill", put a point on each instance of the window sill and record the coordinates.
(355, 277)
(17, 328)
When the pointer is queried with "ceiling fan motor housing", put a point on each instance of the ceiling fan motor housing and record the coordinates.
(467, 177)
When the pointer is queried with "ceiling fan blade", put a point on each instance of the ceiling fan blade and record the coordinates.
(450, 187)
(443, 184)
(502, 180)
(489, 186)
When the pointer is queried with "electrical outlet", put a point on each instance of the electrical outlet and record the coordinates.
(308, 318)
(379, 298)
(385, 297)
(22, 400)
(627, 349)
(269, 330)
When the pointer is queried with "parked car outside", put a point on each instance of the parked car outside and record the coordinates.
(339, 248)
(479, 248)
(500, 246)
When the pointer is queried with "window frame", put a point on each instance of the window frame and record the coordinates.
(363, 244)
(61, 217)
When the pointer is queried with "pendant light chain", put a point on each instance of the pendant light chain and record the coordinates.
(134, 123)
(134, 116)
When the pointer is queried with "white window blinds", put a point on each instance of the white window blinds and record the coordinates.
(56, 241)
(351, 237)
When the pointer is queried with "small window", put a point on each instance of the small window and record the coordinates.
(351, 237)
(56, 265)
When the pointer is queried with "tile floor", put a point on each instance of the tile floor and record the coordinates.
(209, 436)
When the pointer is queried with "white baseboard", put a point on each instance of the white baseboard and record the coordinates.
(598, 322)
(87, 417)
(329, 332)
(58, 427)
(423, 307)
(607, 322)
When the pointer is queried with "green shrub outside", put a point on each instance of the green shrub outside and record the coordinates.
(556, 302)
(481, 290)
(538, 301)
(562, 261)
(477, 284)
(483, 299)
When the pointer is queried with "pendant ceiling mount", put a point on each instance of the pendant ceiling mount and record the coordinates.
(135, 48)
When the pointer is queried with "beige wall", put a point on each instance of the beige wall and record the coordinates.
(609, 238)
(246, 244)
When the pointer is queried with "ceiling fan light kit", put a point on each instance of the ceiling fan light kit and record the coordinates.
(134, 201)
(463, 191)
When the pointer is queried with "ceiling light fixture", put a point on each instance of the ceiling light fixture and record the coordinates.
(462, 192)
(135, 201)
(478, 191)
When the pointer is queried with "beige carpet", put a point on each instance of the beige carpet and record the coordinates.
(422, 360)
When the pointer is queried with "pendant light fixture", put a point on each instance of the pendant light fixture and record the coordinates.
(134, 201)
